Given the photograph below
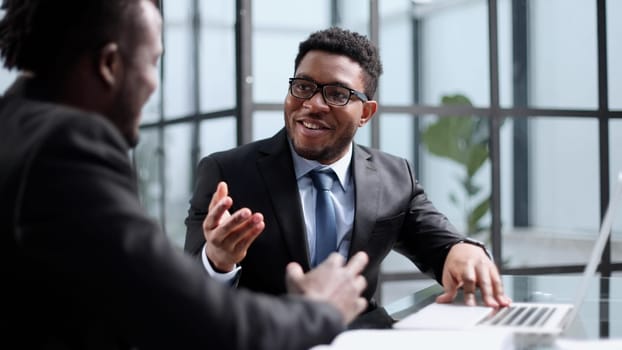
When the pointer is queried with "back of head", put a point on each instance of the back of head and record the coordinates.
(43, 36)
(351, 44)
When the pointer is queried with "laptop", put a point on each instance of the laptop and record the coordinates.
(531, 323)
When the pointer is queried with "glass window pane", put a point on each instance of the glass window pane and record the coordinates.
(615, 305)
(147, 158)
(353, 15)
(217, 135)
(397, 135)
(454, 50)
(217, 55)
(278, 27)
(454, 169)
(178, 179)
(363, 134)
(6, 78)
(396, 52)
(559, 218)
(562, 37)
(614, 53)
(179, 74)
(511, 63)
(266, 124)
(615, 158)
(151, 111)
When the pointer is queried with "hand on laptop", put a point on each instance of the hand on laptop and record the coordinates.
(468, 267)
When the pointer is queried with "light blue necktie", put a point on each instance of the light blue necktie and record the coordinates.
(325, 223)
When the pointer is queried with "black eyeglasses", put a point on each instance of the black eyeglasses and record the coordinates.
(333, 94)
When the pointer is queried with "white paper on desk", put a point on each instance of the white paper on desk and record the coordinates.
(444, 316)
(393, 339)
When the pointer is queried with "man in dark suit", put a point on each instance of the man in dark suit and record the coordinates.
(378, 203)
(83, 267)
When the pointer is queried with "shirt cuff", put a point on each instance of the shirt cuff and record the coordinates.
(227, 277)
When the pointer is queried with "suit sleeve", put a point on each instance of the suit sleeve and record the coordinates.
(81, 222)
(427, 234)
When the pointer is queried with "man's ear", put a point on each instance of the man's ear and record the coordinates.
(369, 109)
(109, 64)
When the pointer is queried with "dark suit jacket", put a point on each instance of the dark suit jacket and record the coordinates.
(83, 267)
(392, 212)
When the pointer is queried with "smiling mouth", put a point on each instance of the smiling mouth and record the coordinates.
(312, 126)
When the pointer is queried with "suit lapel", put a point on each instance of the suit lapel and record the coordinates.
(277, 170)
(367, 186)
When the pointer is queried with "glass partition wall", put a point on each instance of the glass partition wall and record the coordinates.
(509, 110)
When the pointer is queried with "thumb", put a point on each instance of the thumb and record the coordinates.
(293, 278)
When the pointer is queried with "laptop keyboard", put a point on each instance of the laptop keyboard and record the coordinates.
(519, 316)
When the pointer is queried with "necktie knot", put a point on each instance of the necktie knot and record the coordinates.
(322, 179)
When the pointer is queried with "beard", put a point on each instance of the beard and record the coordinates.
(323, 154)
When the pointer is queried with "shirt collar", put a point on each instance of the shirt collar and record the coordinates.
(302, 166)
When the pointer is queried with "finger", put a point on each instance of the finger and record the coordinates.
(293, 277)
(448, 296)
(360, 283)
(361, 304)
(216, 213)
(236, 219)
(450, 288)
(333, 260)
(485, 285)
(248, 238)
(469, 284)
(357, 263)
(497, 286)
(222, 190)
(240, 225)
(469, 278)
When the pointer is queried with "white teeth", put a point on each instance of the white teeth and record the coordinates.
(310, 125)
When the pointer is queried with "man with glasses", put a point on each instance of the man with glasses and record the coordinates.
(371, 202)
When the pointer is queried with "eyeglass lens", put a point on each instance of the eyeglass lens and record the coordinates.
(333, 94)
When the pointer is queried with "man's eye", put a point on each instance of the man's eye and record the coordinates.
(303, 87)
(337, 95)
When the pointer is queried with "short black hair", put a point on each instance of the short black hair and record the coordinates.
(344, 42)
(41, 36)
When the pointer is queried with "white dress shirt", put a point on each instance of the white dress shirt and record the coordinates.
(342, 194)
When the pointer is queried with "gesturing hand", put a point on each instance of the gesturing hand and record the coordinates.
(468, 267)
(332, 282)
(227, 235)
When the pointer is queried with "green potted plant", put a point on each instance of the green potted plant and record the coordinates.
(464, 140)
